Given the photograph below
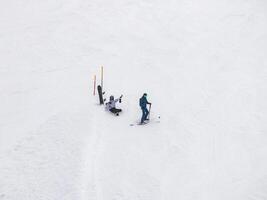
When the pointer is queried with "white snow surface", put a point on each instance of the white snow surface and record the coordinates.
(203, 64)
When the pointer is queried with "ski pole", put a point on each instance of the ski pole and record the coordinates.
(148, 117)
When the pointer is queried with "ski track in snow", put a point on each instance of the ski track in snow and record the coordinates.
(120, 175)
(49, 159)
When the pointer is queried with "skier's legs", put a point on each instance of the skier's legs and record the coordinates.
(147, 112)
(118, 110)
(113, 110)
(144, 114)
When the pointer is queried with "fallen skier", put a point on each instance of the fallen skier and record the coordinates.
(111, 105)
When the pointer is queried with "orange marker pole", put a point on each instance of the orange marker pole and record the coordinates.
(94, 84)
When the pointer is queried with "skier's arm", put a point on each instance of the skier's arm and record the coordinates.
(148, 102)
(120, 98)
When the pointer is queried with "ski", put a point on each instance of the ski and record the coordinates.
(147, 122)
(100, 94)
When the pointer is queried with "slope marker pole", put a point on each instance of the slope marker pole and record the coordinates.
(102, 76)
(94, 84)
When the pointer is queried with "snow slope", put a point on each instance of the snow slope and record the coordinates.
(203, 64)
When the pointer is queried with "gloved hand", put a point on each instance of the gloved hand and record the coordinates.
(120, 98)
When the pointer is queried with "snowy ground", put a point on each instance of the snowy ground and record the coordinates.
(203, 64)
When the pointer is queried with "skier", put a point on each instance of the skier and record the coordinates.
(111, 105)
(143, 103)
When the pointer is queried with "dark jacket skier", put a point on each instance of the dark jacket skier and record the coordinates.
(143, 104)
(111, 105)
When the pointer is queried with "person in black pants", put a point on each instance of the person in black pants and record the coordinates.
(143, 104)
(111, 105)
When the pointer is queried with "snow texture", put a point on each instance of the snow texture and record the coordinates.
(203, 64)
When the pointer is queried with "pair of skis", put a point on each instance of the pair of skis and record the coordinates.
(153, 120)
(100, 94)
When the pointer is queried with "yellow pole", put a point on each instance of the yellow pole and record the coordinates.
(102, 75)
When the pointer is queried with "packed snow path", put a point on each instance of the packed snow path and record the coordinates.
(203, 65)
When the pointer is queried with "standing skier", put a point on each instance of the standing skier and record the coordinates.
(143, 103)
(111, 105)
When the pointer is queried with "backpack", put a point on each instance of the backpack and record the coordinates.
(142, 102)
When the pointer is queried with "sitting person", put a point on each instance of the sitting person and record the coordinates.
(111, 105)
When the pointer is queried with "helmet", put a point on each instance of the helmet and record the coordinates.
(145, 94)
(111, 98)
